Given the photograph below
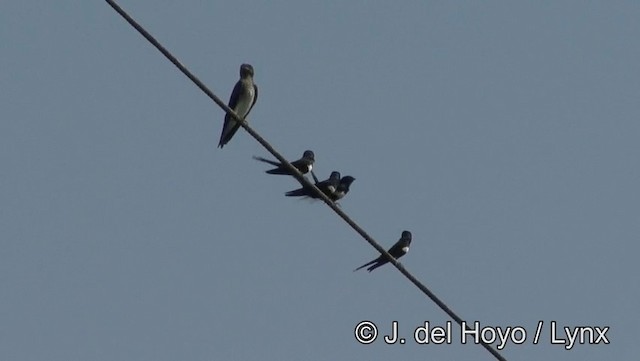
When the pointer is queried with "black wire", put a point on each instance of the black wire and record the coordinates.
(296, 173)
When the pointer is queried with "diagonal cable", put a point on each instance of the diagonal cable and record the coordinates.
(296, 173)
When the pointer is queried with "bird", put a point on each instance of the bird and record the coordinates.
(243, 98)
(397, 250)
(343, 188)
(327, 186)
(304, 164)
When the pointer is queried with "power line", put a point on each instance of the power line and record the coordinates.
(296, 173)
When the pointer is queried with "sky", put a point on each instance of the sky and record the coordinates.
(503, 135)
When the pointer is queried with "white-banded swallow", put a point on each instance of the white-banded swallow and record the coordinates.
(343, 188)
(304, 164)
(242, 100)
(327, 186)
(397, 250)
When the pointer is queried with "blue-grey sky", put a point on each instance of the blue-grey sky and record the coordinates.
(504, 135)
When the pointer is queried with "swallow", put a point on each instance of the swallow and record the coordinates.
(304, 164)
(327, 186)
(397, 250)
(343, 188)
(242, 100)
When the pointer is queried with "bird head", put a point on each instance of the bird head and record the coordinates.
(308, 154)
(346, 181)
(246, 70)
(406, 236)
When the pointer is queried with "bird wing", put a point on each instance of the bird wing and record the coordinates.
(255, 99)
(230, 126)
(235, 95)
(396, 250)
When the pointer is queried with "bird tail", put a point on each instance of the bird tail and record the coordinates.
(265, 160)
(296, 193)
(366, 264)
(229, 128)
(376, 266)
(315, 179)
(279, 171)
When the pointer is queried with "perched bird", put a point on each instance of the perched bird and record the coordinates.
(242, 100)
(397, 250)
(304, 164)
(343, 188)
(327, 186)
